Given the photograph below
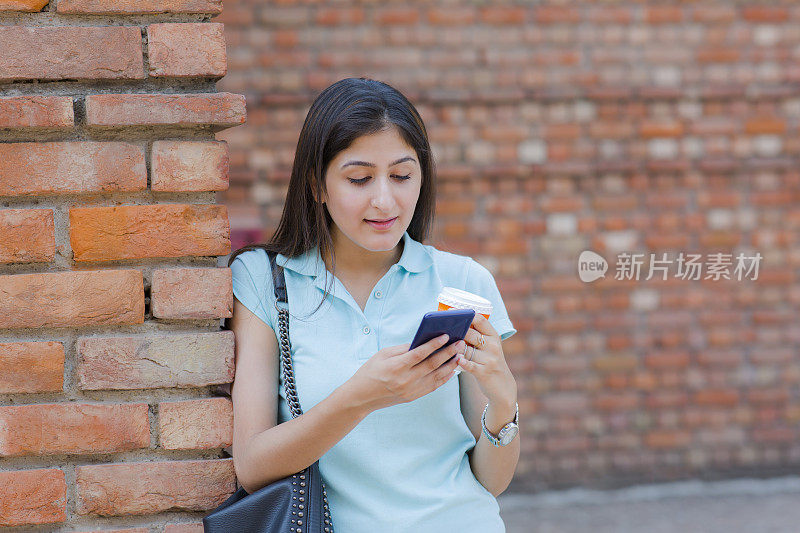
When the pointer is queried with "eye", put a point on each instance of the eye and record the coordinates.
(362, 181)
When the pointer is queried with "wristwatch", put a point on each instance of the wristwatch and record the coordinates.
(507, 432)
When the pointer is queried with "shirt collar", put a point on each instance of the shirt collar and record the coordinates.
(415, 258)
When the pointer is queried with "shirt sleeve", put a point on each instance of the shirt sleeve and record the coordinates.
(252, 284)
(481, 282)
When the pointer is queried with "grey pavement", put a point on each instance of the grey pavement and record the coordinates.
(744, 505)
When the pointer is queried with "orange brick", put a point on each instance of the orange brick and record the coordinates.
(711, 13)
(33, 497)
(37, 112)
(556, 15)
(114, 7)
(70, 299)
(192, 293)
(196, 424)
(663, 14)
(185, 360)
(562, 132)
(30, 6)
(185, 50)
(127, 489)
(661, 129)
(397, 16)
(27, 367)
(723, 397)
(717, 55)
(136, 232)
(28, 235)
(190, 166)
(73, 428)
(71, 167)
(503, 15)
(336, 16)
(444, 16)
(73, 52)
(221, 110)
(765, 126)
(765, 14)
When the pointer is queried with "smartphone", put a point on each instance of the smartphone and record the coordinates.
(454, 322)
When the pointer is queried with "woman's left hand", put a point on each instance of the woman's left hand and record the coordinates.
(488, 363)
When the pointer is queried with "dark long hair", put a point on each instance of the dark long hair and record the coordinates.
(343, 112)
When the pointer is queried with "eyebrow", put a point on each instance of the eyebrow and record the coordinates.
(365, 164)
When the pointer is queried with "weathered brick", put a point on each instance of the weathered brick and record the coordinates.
(189, 166)
(196, 424)
(73, 428)
(70, 299)
(27, 235)
(127, 489)
(71, 53)
(33, 497)
(184, 528)
(30, 6)
(37, 112)
(114, 110)
(130, 530)
(182, 50)
(71, 167)
(27, 367)
(139, 231)
(192, 293)
(124, 7)
(187, 360)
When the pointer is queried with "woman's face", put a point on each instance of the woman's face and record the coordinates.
(378, 177)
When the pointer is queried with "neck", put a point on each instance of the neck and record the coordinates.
(355, 260)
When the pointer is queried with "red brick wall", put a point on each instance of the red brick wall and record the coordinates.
(565, 126)
(111, 291)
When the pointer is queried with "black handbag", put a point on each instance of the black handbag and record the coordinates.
(294, 504)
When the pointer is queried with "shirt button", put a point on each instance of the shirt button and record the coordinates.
(366, 330)
(378, 294)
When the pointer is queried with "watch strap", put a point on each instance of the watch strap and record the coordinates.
(495, 440)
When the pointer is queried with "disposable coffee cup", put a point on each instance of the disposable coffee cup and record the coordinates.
(452, 298)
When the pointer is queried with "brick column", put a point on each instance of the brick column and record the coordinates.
(112, 288)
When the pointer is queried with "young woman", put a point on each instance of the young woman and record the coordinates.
(399, 437)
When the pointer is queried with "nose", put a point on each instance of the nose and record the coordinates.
(382, 198)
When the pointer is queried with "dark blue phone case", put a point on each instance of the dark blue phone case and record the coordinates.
(454, 322)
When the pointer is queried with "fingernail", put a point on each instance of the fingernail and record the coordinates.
(461, 344)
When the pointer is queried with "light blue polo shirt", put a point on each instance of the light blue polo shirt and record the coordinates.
(404, 468)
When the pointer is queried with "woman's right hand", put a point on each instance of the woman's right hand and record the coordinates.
(396, 375)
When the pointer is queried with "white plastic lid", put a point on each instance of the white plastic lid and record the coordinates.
(459, 299)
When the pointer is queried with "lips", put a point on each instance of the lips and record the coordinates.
(379, 221)
(381, 225)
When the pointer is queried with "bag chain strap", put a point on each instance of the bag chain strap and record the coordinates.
(291, 393)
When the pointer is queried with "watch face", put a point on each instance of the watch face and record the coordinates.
(508, 433)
